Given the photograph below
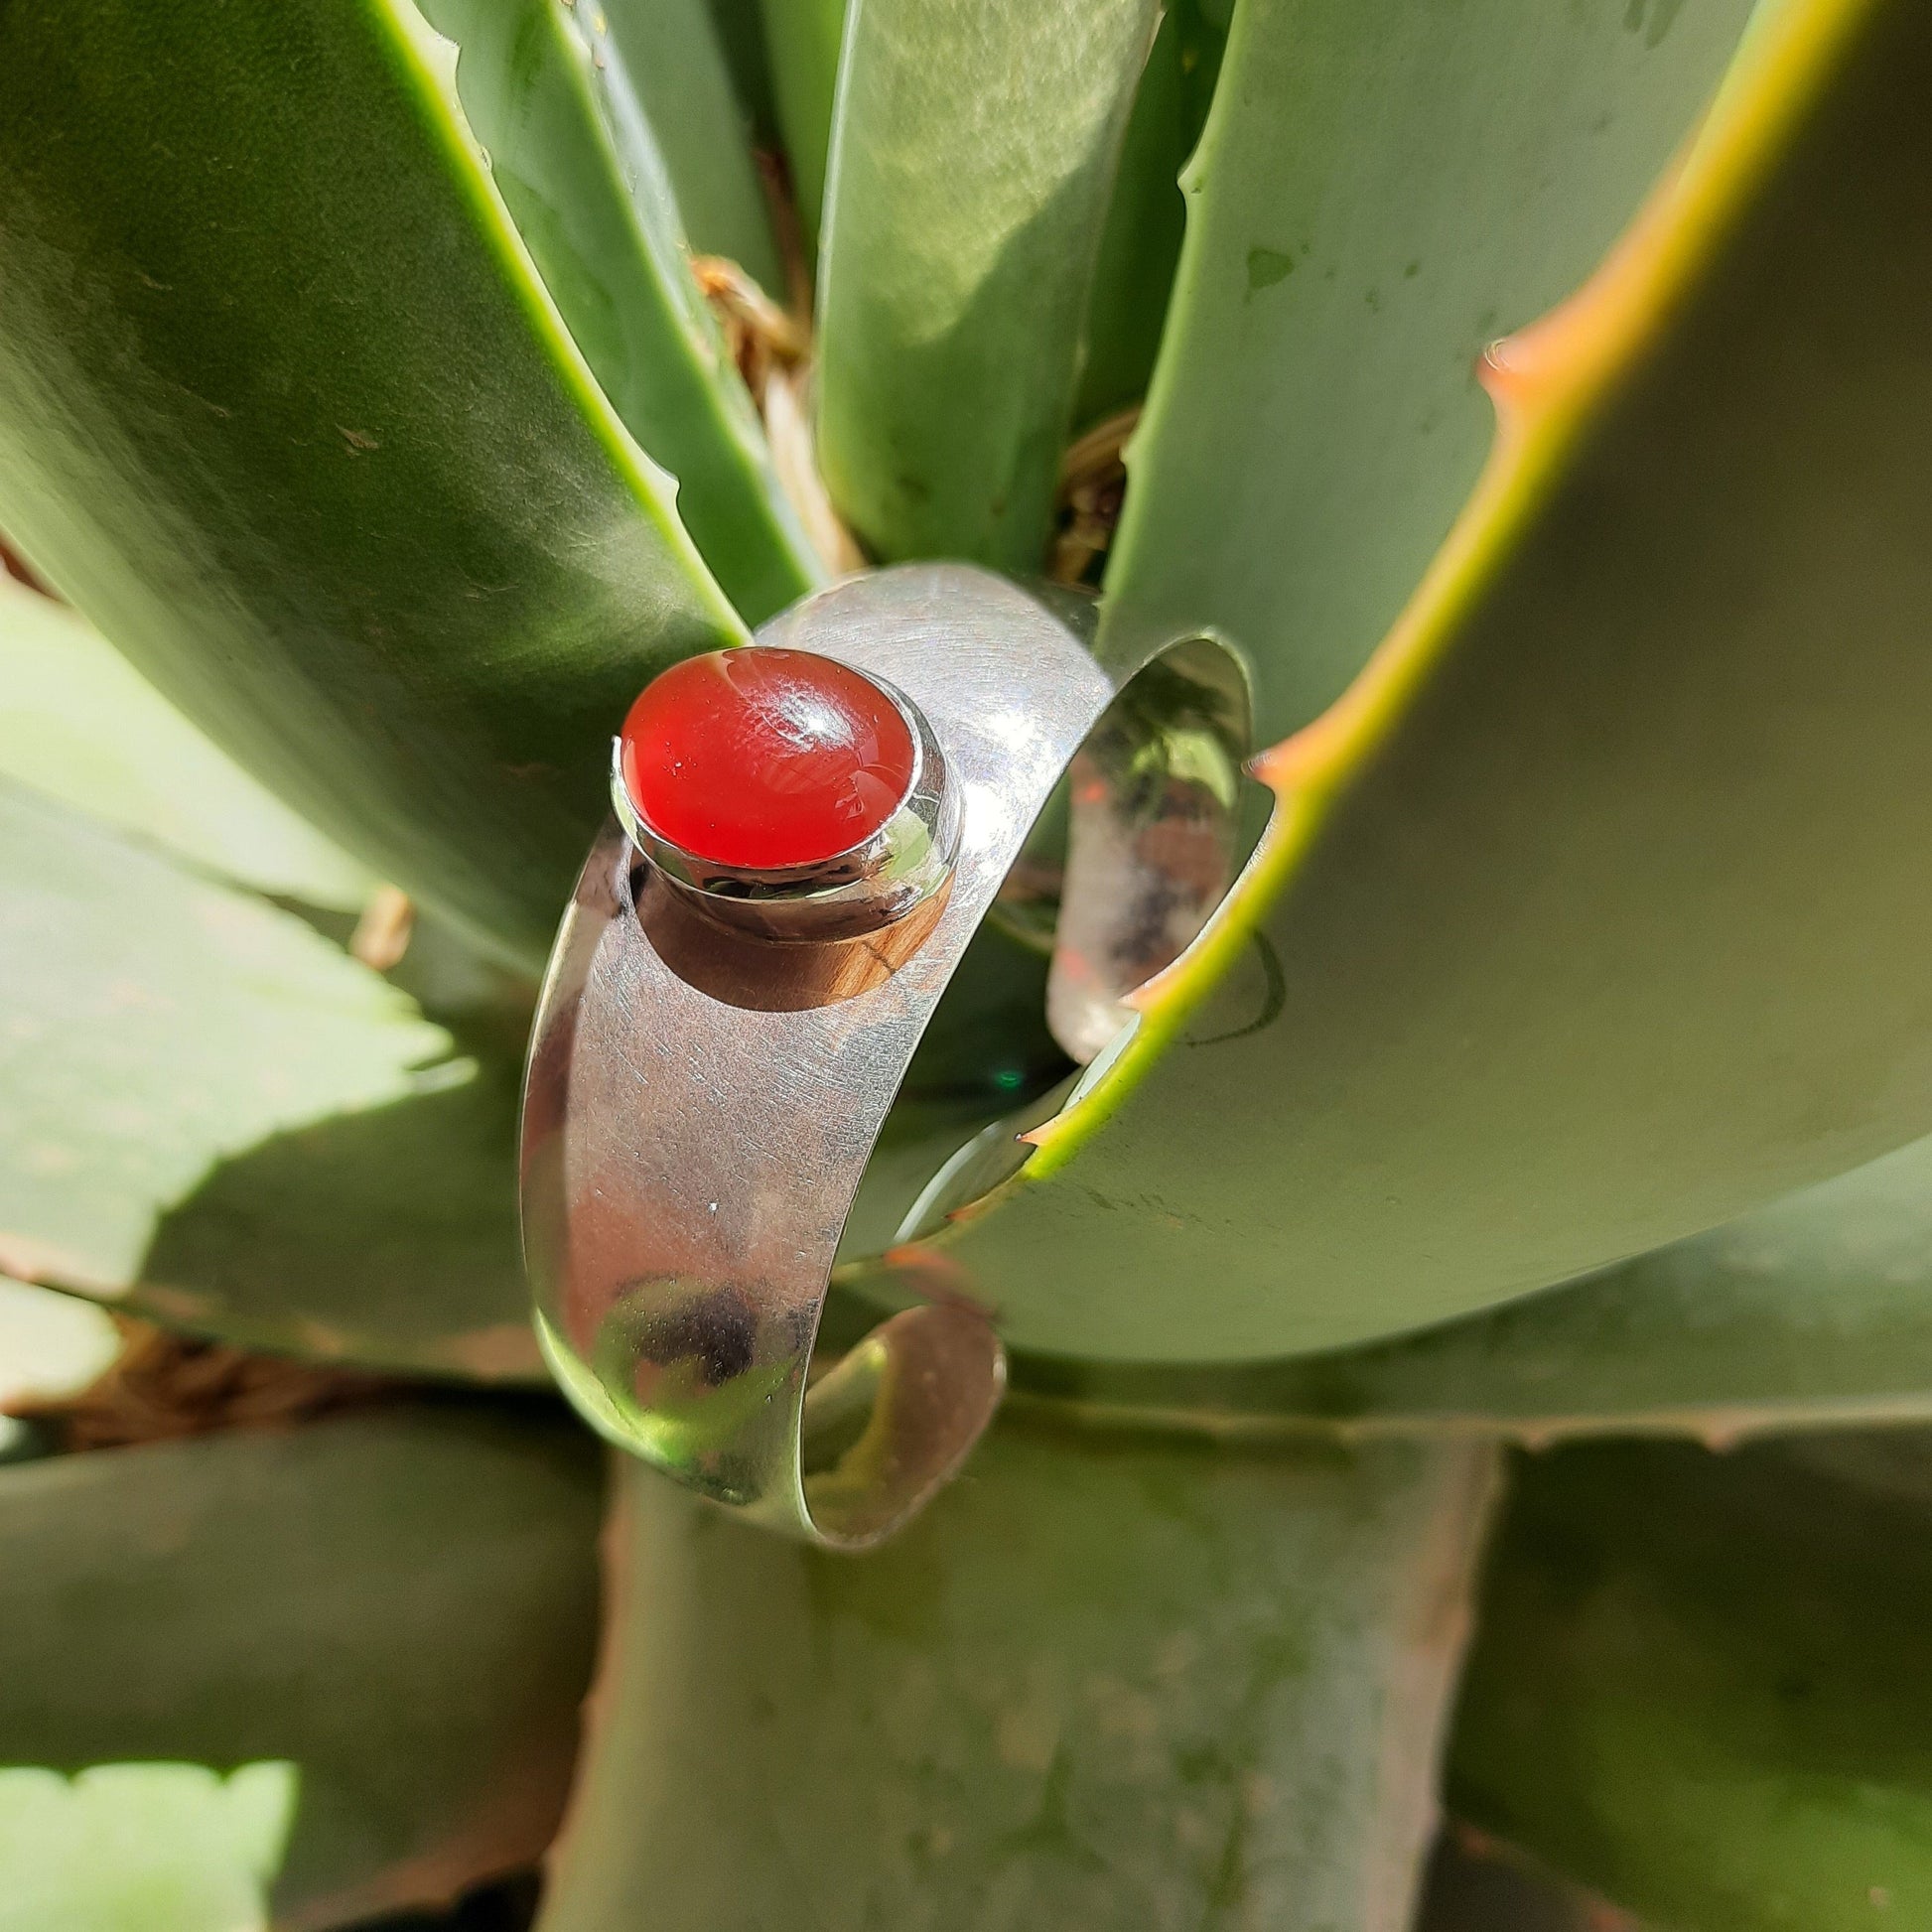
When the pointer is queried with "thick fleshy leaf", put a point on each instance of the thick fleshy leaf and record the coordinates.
(1113, 1685)
(1382, 191)
(1812, 1311)
(548, 90)
(972, 161)
(675, 56)
(78, 725)
(1595, 915)
(1699, 1682)
(284, 410)
(119, 1848)
(802, 39)
(51, 1345)
(310, 1676)
(212, 1114)
(738, 26)
(1140, 244)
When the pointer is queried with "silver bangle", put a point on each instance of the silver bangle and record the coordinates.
(701, 1101)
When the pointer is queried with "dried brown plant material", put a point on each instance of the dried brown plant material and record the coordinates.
(382, 933)
(760, 334)
(1093, 486)
(164, 1387)
(785, 405)
(772, 347)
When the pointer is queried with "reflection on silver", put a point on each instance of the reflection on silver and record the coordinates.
(871, 885)
(1153, 837)
(701, 1103)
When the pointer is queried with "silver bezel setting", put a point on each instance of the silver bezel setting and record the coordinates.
(871, 885)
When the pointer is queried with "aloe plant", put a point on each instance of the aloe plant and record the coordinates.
(1528, 409)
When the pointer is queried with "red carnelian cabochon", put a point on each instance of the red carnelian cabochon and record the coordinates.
(762, 758)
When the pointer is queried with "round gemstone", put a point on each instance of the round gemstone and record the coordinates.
(761, 758)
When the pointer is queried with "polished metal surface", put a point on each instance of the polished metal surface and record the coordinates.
(701, 1103)
(868, 885)
(1153, 837)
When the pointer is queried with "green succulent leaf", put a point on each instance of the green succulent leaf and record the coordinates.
(675, 56)
(51, 1345)
(1593, 915)
(739, 27)
(215, 1116)
(286, 411)
(1699, 1687)
(973, 156)
(1382, 191)
(547, 88)
(802, 39)
(121, 1847)
(1123, 1685)
(1817, 1310)
(1140, 243)
(299, 1678)
(77, 724)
